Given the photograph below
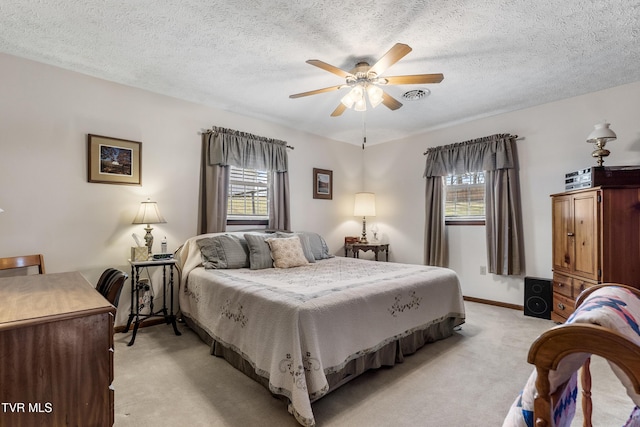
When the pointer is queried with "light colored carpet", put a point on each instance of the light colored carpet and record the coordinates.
(469, 379)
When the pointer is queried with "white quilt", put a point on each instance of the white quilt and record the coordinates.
(297, 325)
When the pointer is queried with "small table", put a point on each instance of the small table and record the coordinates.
(137, 287)
(356, 247)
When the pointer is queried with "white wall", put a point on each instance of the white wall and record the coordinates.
(554, 143)
(50, 208)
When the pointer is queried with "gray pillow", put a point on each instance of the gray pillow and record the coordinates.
(318, 246)
(304, 240)
(259, 251)
(224, 252)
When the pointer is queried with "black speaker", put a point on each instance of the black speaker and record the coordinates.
(538, 299)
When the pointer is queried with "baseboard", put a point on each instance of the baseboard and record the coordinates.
(496, 303)
(144, 324)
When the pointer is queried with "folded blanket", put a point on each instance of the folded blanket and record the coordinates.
(613, 307)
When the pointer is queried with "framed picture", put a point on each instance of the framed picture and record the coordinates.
(114, 161)
(322, 184)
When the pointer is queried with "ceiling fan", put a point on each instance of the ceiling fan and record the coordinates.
(365, 79)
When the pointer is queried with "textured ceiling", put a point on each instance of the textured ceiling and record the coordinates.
(248, 56)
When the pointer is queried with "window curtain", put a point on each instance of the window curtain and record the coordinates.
(496, 156)
(225, 147)
(435, 252)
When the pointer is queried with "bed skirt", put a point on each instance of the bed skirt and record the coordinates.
(388, 355)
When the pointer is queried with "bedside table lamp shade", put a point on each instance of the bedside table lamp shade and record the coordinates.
(364, 206)
(149, 214)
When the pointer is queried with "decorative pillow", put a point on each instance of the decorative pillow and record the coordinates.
(259, 251)
(224, 252)
(304, 241)
(318, 246)
(287, 252)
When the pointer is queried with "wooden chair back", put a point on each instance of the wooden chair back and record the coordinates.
(23, 262)
(110, 284)
(553, 345)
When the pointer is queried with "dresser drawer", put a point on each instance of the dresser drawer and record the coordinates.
(563, 285)
(579, 286)
(562, 305)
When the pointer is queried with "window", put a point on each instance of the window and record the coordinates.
(464, 203)
(248, 201)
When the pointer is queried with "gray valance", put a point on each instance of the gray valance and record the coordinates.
(483, 154)
(235, 148)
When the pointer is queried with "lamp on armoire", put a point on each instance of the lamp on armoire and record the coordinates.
(599, 137)
(364, 206)
(149, 214)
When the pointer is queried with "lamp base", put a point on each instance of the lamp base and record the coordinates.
(148, 238)
(363, 239)
(600, 151)
(599, 154)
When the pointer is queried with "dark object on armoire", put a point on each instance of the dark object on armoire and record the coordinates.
(538, 300)
(602, 175)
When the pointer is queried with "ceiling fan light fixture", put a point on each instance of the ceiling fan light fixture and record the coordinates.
(347, 100)
(355, 99)
(375, 95)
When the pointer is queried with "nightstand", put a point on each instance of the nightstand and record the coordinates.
(137, 289)
(356, 247)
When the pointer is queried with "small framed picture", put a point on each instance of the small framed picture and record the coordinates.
(322, 184)
(114, 161)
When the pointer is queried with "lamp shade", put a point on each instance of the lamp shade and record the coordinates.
(148, 214)
(1, 210)
(601, 131)
(365, 205)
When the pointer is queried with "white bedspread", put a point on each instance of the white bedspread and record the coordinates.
(296, 325)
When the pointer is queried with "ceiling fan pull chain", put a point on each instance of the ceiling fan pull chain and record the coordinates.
(364, 129)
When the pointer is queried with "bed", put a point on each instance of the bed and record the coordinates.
(605, 323)
(306, 330)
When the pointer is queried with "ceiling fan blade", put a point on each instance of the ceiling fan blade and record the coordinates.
(395, 54)
(414, 79)
(328, 67)
(317, 91)
(390, 102)
(339, 110)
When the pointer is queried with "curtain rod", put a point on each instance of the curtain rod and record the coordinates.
(513, 136)
(206, 131)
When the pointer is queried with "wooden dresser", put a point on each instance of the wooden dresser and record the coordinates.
(56, 352)
(596, 239)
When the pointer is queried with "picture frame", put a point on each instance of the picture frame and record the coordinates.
(322, 184)
(114, 160)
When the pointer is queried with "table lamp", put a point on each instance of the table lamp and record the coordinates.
(364, 206)
(599, 137)
(148, 214)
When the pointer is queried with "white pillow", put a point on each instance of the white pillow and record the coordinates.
(287, 252)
